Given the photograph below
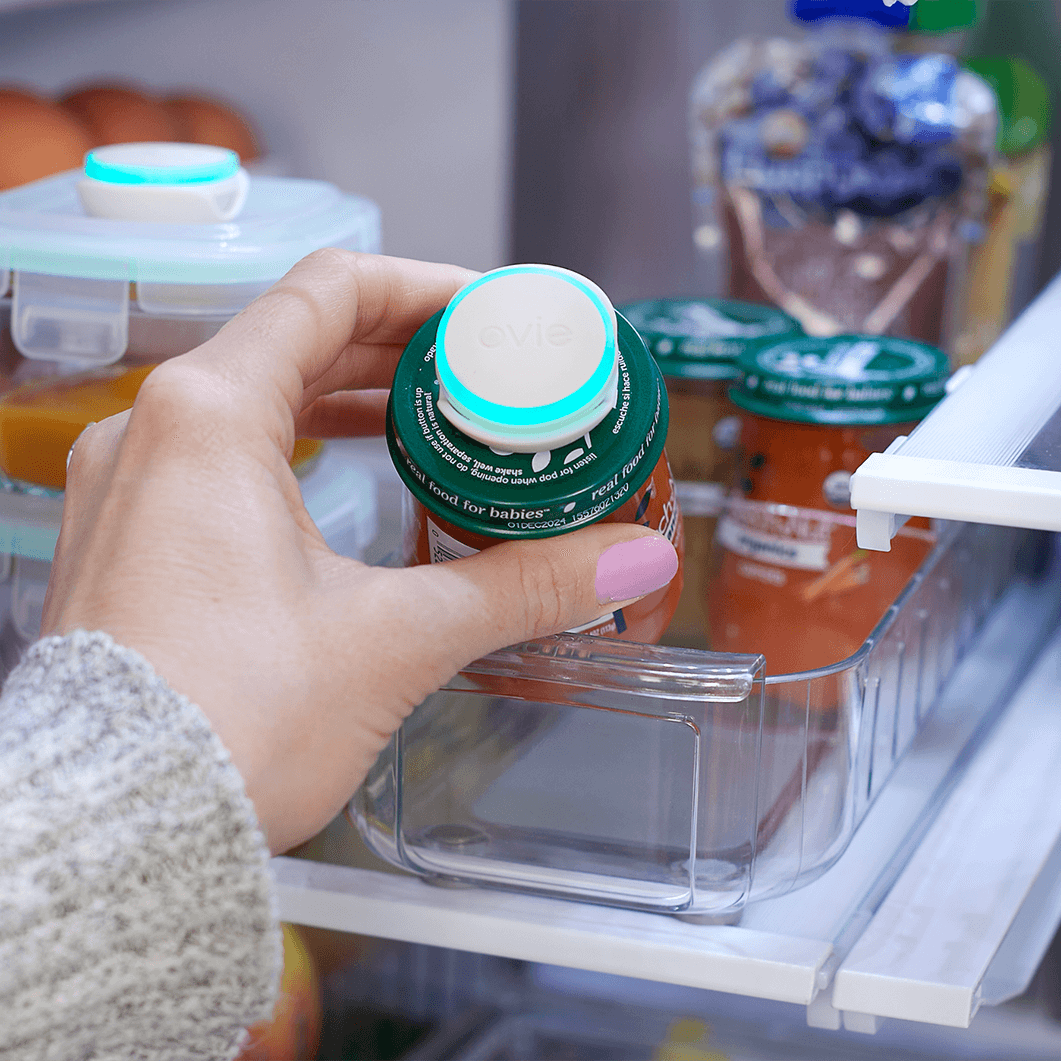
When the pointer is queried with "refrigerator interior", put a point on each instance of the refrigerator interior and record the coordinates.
(491, 131)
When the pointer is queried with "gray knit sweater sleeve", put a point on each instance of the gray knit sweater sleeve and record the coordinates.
(137, 917)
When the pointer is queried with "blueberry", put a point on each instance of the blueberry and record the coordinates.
(836, 135)
(833, 74)
(942, 172)
(767, 91)
(839, 67)
(874, 112)
(909, 98)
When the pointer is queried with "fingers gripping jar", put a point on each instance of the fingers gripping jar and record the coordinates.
(792, 583)
(526, 409)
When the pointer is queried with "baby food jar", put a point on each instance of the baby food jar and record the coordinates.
(792, 583)
(526, 409)
(695, 343)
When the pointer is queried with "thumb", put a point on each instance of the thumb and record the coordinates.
(517, 591)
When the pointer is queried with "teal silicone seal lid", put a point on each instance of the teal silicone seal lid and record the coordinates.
(161, 164)
(502, 493)
(526, 357)
(843, 380)
(182, 184)
(701, 338)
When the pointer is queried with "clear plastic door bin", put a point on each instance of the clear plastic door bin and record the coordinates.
(673, 779)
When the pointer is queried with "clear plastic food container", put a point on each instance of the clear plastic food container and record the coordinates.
(671, 779)
(142, 256)
(106, 272)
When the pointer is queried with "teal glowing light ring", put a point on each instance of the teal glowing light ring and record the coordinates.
(221, 168)
(525, 416)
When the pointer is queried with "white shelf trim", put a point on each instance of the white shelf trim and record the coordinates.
(926, 952)
(942, 489)
(655, 947)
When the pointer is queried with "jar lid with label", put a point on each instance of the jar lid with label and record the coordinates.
(701, 338)
(844, 380)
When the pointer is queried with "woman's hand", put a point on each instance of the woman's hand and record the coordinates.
(185, 538)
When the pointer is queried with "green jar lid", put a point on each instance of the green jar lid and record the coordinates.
(1023, 101)
(525, 495)
(843, 380)
(944, 16)
(701, 338)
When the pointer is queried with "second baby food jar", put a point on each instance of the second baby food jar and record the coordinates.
(526, 409)
(696, 343)
(792, 582)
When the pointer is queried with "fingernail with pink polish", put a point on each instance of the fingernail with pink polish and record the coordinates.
(632, 569)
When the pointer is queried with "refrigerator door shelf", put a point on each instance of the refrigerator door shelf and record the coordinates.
(990, 452)
(957, 856)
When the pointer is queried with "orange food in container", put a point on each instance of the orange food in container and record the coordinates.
(792, 582)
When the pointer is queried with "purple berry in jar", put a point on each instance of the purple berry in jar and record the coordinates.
(830, 82)
(767, 91)
(784, 133)
(836, 135)
(911, 99)
(839, 67)
(942, 172)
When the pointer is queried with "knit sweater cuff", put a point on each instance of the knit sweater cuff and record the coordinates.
(137, 918)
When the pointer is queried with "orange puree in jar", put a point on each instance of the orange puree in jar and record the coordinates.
(40, 420)
(792, 582)
(696, 342)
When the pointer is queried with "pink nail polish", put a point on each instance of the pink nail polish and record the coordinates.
(632, 569)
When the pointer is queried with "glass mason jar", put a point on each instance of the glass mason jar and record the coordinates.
(841, 179)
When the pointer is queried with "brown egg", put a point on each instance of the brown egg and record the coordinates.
(120, 114)
(16, 93)
(202, 120)
(37, 138)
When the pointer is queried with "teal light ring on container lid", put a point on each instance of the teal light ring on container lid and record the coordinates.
(163, 183)
(526, 357)
(160, 163)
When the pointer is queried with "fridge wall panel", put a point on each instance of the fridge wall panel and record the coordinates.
(405, 101)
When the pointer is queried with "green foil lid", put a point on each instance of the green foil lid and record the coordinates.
(1023, 101)
(844, 380)
(701, 338)
(944, 16)
(525, 495)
